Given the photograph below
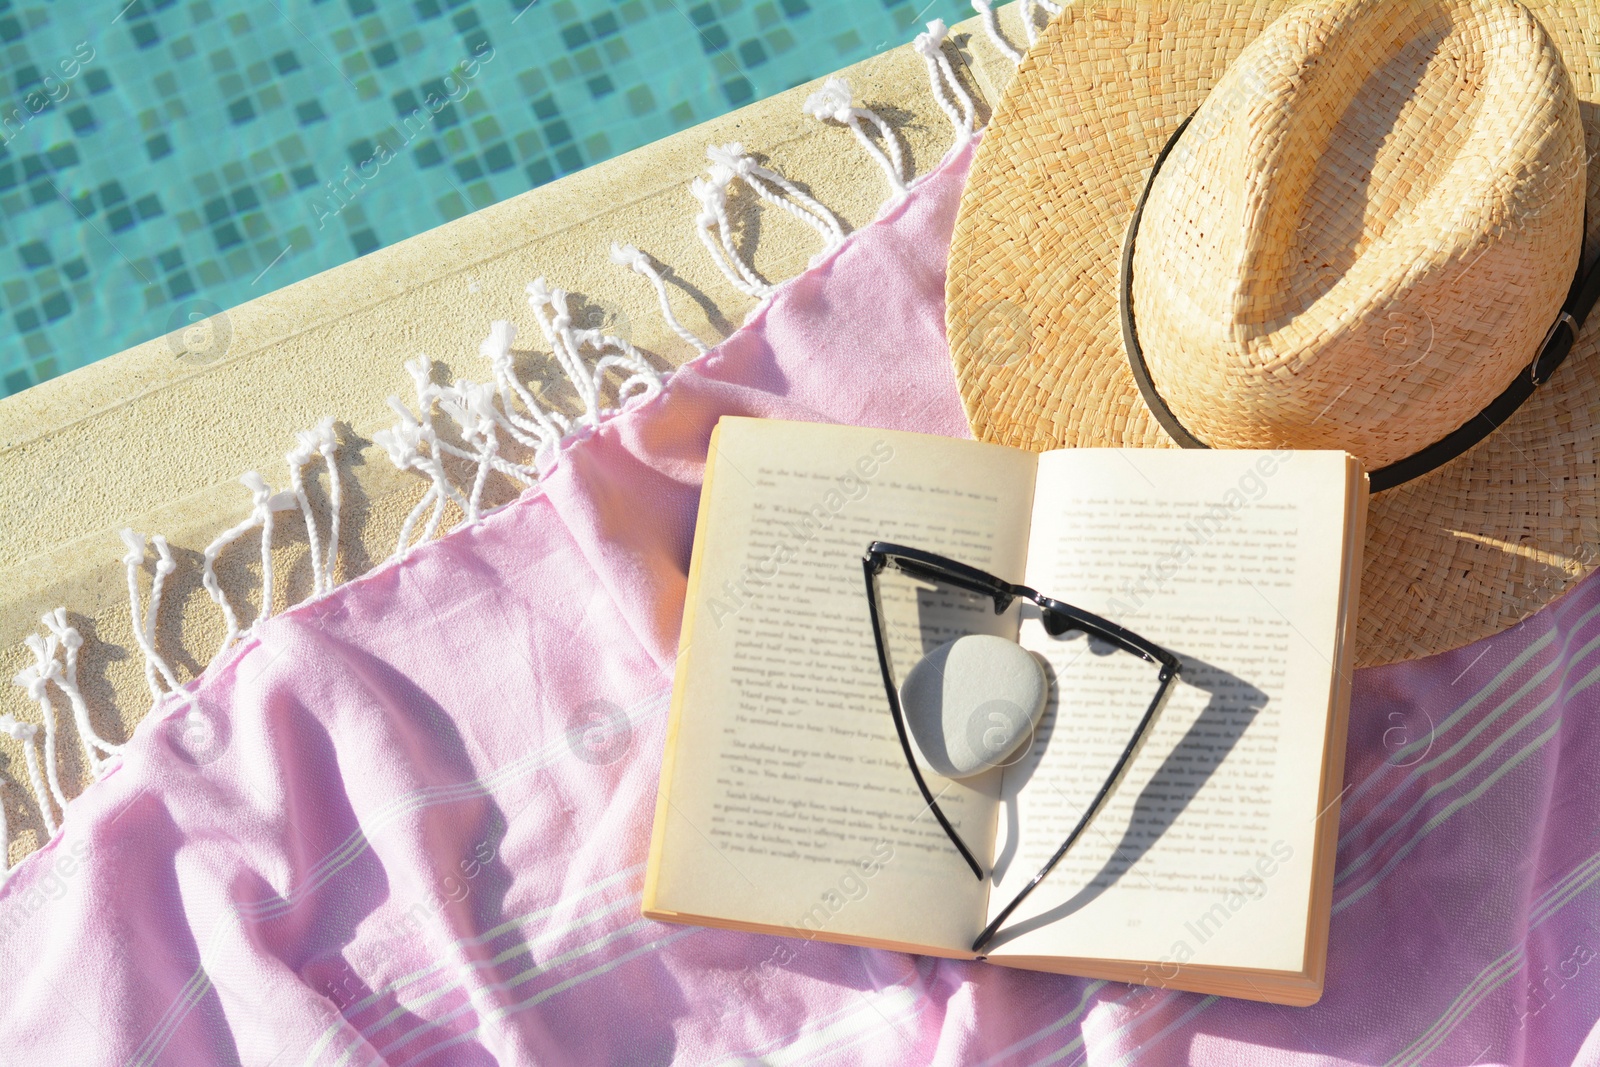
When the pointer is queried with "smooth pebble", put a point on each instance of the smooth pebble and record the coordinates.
(971, 702)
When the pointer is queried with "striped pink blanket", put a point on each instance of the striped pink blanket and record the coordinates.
(408, 824)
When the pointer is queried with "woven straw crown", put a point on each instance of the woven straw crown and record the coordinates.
(1360, 239)
(1366, 230)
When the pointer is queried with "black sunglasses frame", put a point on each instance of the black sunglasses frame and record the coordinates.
(1059, 617)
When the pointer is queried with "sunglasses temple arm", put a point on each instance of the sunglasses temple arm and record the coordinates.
(1117, 771)
(870, 568)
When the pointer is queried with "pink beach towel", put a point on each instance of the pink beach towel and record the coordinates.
(408, 825)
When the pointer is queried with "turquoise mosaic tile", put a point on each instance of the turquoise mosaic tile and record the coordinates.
(167, 160)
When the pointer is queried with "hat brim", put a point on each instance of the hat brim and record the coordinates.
(1457, 555)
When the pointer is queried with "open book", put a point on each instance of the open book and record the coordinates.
(786, 805)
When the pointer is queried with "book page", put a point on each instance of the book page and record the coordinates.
(788, 801)
(1203, 854)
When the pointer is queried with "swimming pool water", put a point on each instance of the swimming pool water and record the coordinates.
(164, 160)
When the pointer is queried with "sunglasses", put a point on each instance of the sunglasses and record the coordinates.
(1058, 618)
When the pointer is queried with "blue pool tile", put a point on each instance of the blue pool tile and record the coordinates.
(174, 152)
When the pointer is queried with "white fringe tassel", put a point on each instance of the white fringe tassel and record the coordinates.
(834, 101)
(319, 440)
(630, 257)
(481, 411)
(143, 617)
(263, 503)
(23, 732)
(156, 669)
(471, 405)
(728, 162)
(991, 26)
(713, 199)
(413, 443)
(533, 427)
(1027, 12)
(1051, 10)
(550, 308)
(100, 752)
(36, 680)
(947, 89)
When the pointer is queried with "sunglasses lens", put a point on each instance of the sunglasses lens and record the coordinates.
(922, 609)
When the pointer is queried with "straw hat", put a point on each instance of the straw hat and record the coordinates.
(1361, 240)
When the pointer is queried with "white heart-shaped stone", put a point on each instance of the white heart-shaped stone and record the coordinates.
(970, 703)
